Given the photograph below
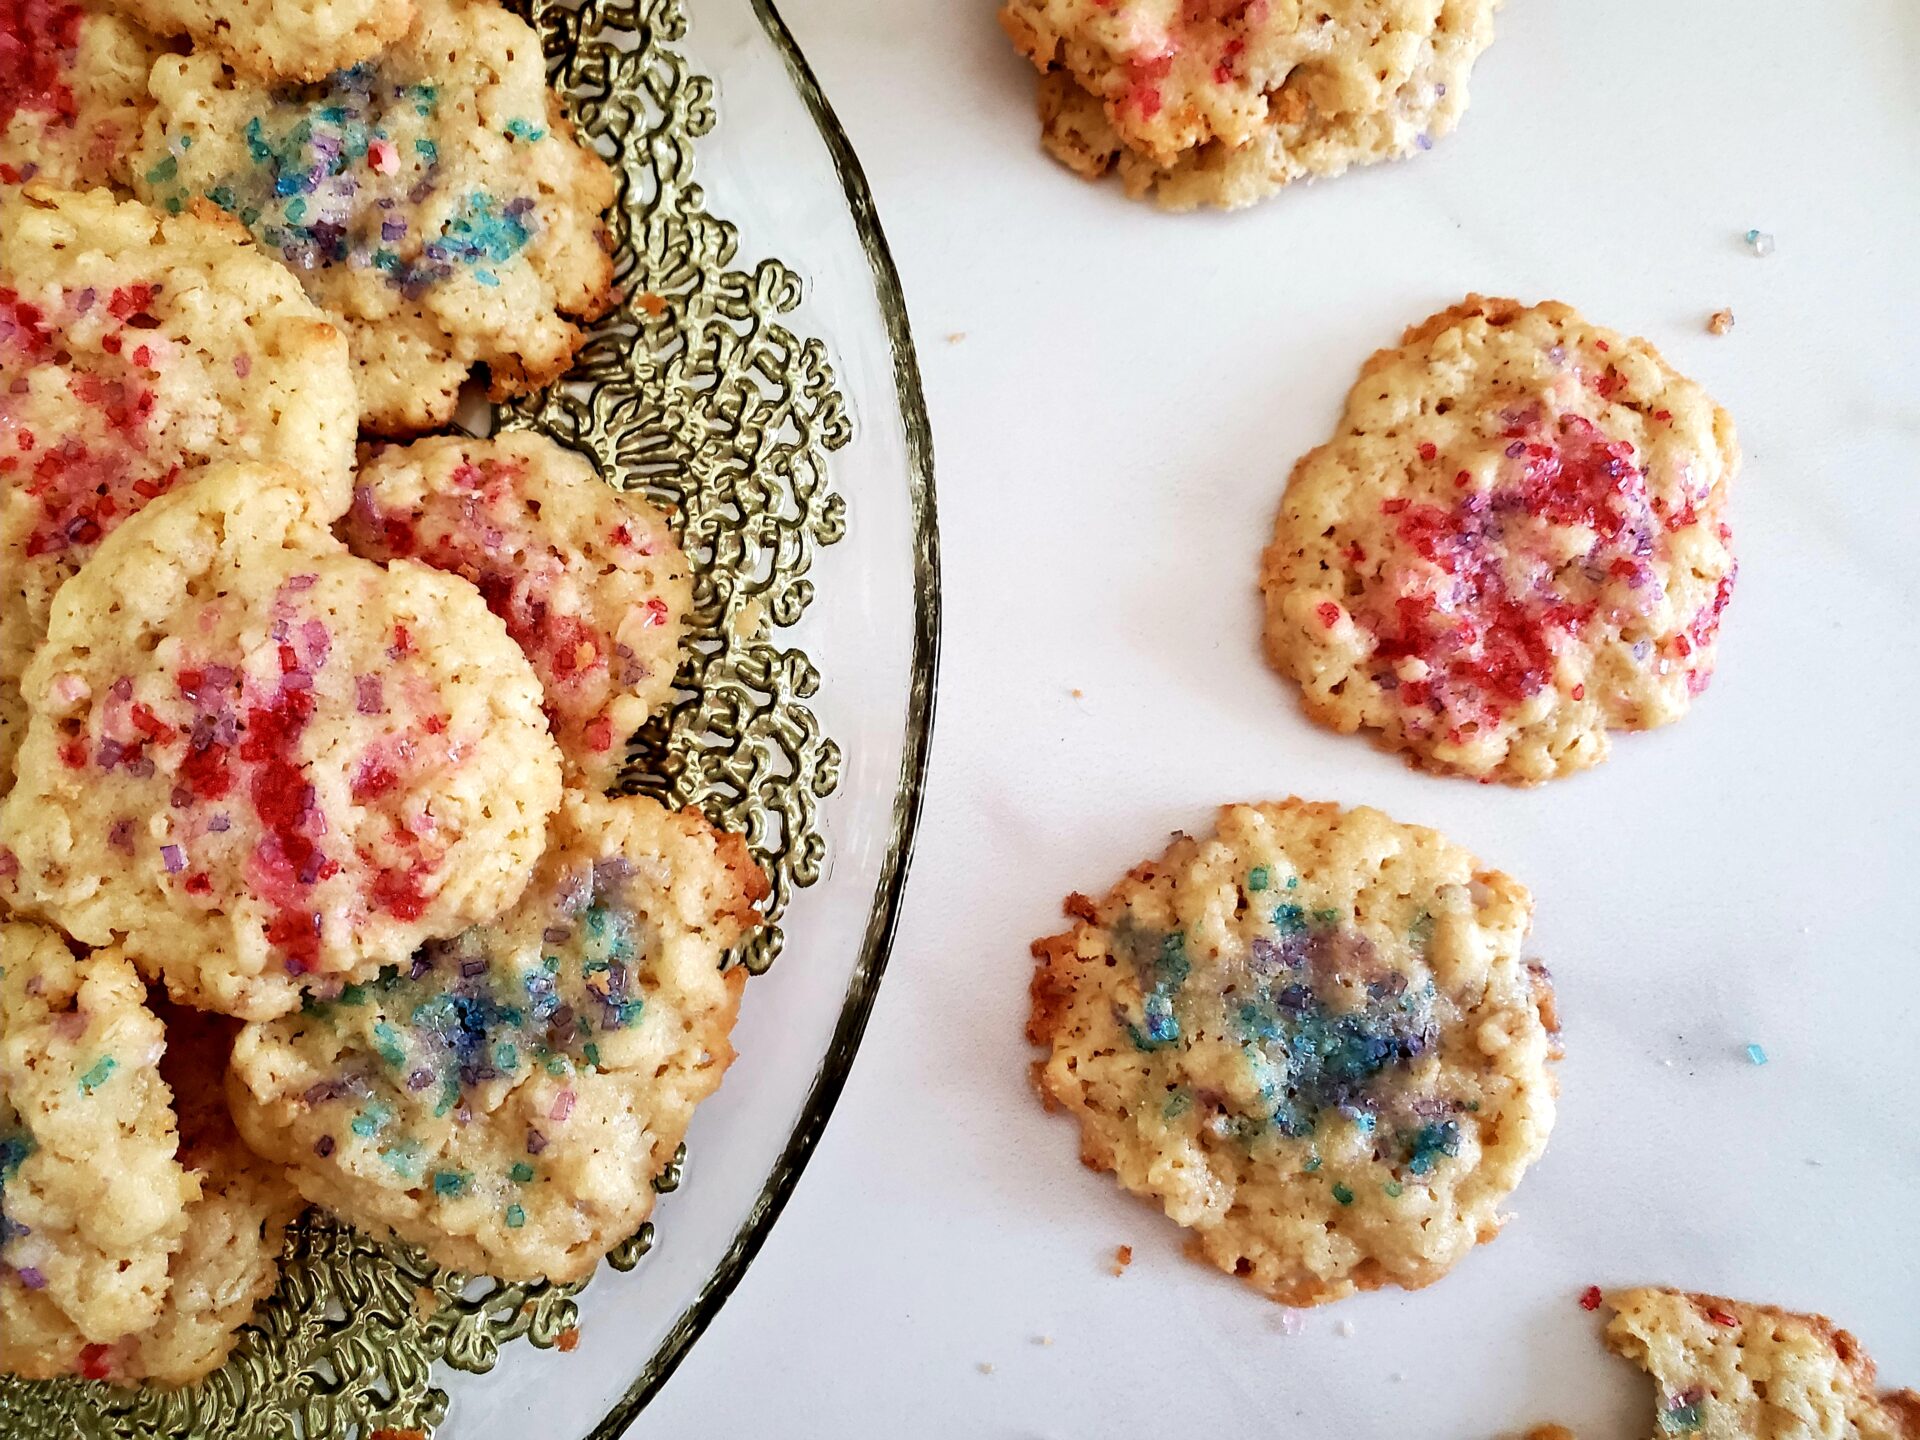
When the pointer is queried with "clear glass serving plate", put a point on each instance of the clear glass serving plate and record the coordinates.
(760, 379)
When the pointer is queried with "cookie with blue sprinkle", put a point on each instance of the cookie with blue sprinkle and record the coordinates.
(1311, 1039)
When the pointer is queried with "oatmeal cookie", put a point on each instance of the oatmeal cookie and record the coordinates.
(73, 92)
(93, 1199)
(434, 201)
(1224, 102)
(133, 348)
(589, 579)
(281, 39)
(506, 1101)
(270, 766)
(1515, 544)
(1726, 1370)
(1311, 1040)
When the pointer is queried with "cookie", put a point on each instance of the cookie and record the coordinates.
(93, 1199)
(1225, 102)
(434, 201)
(1309, 1038)
(73, 92)
(267, 765)
(1726, 1370)
(589, 579)
(230, 1258)
(133, 348)
(1515, 544)
(506, 1101)
(281, 39)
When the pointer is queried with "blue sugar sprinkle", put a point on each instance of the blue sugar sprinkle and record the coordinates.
(1756, 1054)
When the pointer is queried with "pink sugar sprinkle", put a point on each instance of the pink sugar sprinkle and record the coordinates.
(243, 365)
(1292, 1322)
(562, 1106)
(383, 157)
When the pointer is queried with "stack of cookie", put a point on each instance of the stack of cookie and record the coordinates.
(312, 732)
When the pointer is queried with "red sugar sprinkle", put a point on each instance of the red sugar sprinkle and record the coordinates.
(568, 1341)
(94, 1362)
(1579, 692)
(1590, 1298)
(1428, 450)
(1721, 1317)
(1328, 612)
(38, 41)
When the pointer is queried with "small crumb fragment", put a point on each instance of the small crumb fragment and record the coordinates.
(1720, 322)
(1345, 1327)
(1122, 1258)
(653, 304)
(1397, 1376)
(986, 1367)
(1550, 1432)
(1292, 1322)
(1756, 1054)
(569, 1340)
(956, 337)
(391, 1434)
(1079, 694)
(1760, 242)
(1043, 1339)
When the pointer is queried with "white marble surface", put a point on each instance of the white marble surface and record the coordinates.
(1113, 431)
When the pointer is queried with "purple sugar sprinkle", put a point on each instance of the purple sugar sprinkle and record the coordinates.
(278, 631)
(301, 582)
(32, 1278)
(181, 797)
(120, 835)
(218, 676)
(83, 302)
(536, 1142)
(219, 823)
(471, 968)
(419, 1080)
(174, 858)
(368, 696)
(109, 754)
(555, 934)
(122, 688)
(393, 229)
(319, 642)
(1516, 449)
(141, 768)
(1423, 141)
(323, 1147)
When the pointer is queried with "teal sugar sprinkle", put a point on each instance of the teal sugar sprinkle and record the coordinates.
(1293, 882)
(175, 204)
(257, 148)
(1313, 1164)
(487, 278)
(521, 1172)
(592, 1052)
(1177, 1105)
(1680, 1419)
(1394, 1189)
(1259, 878)
(1326, 917)
(525, 130)
(371, 1121)
(387, 1041)
(222, 195)
(296, 210)
(353, 995)
(1342, 1193)
(1290, 919)
(1431, 1142)
(1421, 932)
(163, 172)
(403, 1159)
(557, 1065)
(1162, 977)
(101, 1072)
(506, 1057)
(1757, 1054)
(451, 1183)
(186, 142)
(516, 1217)
(427, 151)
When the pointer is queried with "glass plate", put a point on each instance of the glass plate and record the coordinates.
(760, 378)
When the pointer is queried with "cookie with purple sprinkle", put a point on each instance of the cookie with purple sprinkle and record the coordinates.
(1311, 1039)
(93, 1198)
(265, 765)
(507, 1100)
(1515, 544)
(281, 39)
(589, 579)
(1729, 1370)
(434, 200)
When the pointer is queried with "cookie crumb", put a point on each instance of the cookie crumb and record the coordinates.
(569, 1340)
(1078, 694)
(956, 337)
(653, 304)
(1043, 1339)
(1345, 1329)
(1122, 1258)
(986, 1367)
(1760, 242)
(1549, 1432)
(1720, 322)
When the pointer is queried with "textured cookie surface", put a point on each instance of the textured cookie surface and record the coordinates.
(281, 39)
(434, 200)
(93, 1199)
(1223, 102)
(590, 581)
(266, 764)
(73, 92)
(134, 347)
(507, 1100)
(1514, 545)
(1311, 1039)
(1727, 1370)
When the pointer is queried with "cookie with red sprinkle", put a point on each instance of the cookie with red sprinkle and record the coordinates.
(506, 1099)
(1729, 1370)
(281, 39)
(433, 200)
(1225, 102)
(1309, 1038)
(93, 1198)
(1515, 545)
(73, 92)
(589, 579)
(135, 347)
(267, 765)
